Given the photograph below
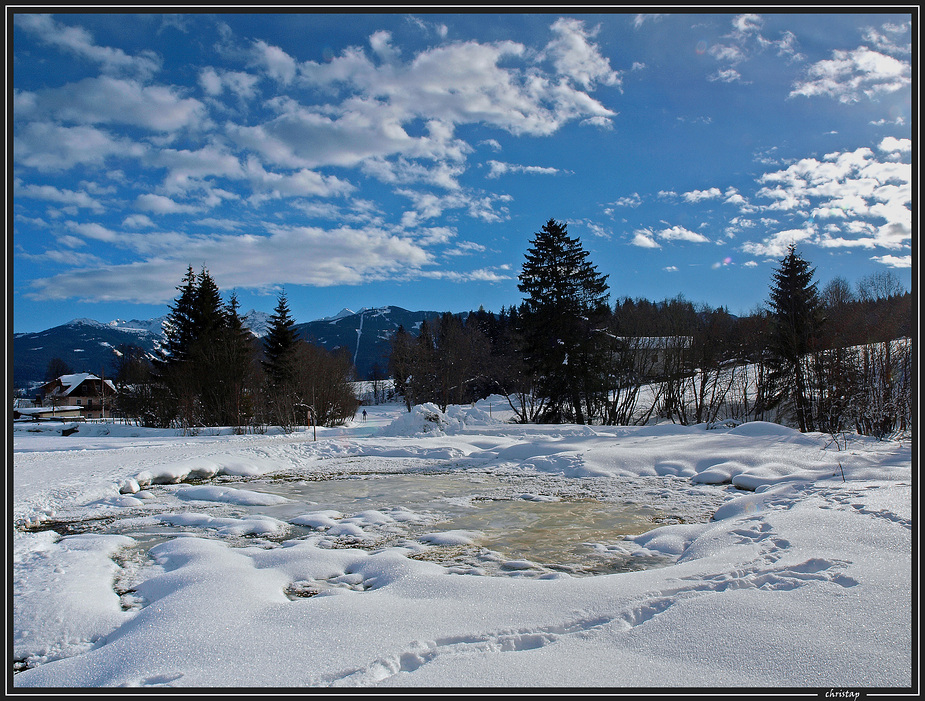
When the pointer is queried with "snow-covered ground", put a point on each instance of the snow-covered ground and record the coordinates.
(145, 558)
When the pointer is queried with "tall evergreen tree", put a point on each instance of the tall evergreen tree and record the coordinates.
(188, 368)
(233, 355)
(280, 346)
(180, 325)
(565, 305)
(796, 317)
(280, 343)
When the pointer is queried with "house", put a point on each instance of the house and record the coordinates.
(90, 394)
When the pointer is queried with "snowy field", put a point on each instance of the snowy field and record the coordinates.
(749, 556)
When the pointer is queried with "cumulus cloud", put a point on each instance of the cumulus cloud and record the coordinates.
(680, 233)
(776, 245)
(891, 144)
(79, 42)
(215, 82)
(728, 75)
(849, 199)
(631, 200)
(256, 125)
(111, 100)
(466, 83)
(301, 183)
(49, 147)
(574, 56)
(60, 196)
(644, 239)
(275, 62)
(159, 204)
(699, 195)
(852, 75)
(894, 261)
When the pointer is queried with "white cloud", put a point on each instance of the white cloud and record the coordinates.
(466, 83)
(747, 24)
(776, 245)
(78, 41)
(159, 204)
(891, 144)
(850, 75)
(871, 197)
(109, 100)
(277, 64)
(338, 256)
(64, 197)
(576, 57)
(137, 221)
(51, 147)
(464, 248)
(728, 75)
(428, 205)
(94, 231)
(644, 239)
(497, 169)
(641, 19)
(887, 38)
(744, 42)
(481, 275)
(680, 233)
(894, 261)
(699, 195)
(381, 44)
(185, 166)
(242, 84)
(632, 200)
(404, 172)
(301, 183)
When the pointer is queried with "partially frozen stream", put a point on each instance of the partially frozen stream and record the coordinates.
(508, 525)
(471, 521)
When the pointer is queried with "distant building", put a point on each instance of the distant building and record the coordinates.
(91, 395)
(46, 413)
(654, 355)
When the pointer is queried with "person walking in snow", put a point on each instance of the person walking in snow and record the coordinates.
(364, 414)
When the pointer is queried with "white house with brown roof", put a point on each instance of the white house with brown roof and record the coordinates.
(92, 395)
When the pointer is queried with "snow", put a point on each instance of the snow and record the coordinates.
(773, 570)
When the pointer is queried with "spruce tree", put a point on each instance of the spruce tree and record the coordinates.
(234, 355)
(189, 367)
(565, 305)
(179, 327)
(280, 346)
(795, 320)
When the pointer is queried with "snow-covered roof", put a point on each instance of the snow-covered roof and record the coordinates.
(41, 410)
(71, 382)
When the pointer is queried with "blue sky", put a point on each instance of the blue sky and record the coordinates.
(356, 160)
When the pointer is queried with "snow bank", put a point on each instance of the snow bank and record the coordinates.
(427, 419)
(801, 577)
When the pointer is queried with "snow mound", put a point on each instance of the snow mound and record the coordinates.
(229, 495)
(453, 537)
(427, 419)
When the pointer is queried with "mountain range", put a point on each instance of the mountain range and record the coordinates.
(86, 345)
